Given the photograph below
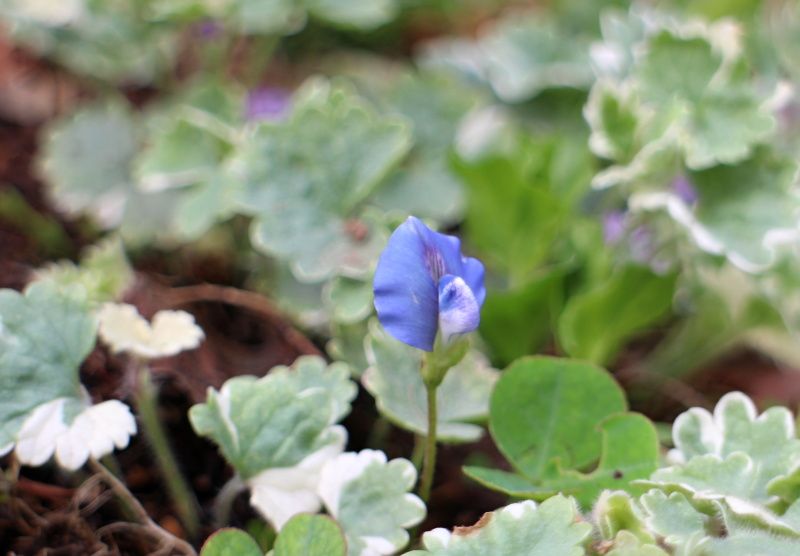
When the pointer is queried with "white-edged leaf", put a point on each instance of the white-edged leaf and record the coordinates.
(45, 334)
(394, 379)
(369, 498)
(277, 420)
(553, 528)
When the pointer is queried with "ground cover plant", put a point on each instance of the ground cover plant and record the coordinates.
(399, 277)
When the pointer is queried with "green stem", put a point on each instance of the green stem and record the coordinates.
(141, 515)
(181, 495)
(430, 444)
(419, 451)
(223, 503)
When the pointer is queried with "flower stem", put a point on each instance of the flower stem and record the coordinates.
(140, 513)
(181, 495)
(429, 465)
(419, 451)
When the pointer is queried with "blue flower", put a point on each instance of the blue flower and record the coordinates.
(424, 285)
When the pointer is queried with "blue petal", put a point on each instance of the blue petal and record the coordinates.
(444, 257)
(406, 296)
(459, 310)
(472, 274)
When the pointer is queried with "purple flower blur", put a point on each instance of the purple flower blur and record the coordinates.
(684, 189)
(424, 285)
(267, 103)
(613, 227)
(209, 29)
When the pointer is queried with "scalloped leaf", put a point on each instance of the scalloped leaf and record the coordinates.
(744, 212)
(553, 528)
(673, 517)
(188, 137)
(104, 272)
(305, 178)
(94, 38)
(86, 160)
(369, 498)
(748, 542)
(435, 104)
(354, 14)
(627, 544)
(265, 16)
(525, 55)
(45, 334)
(723, 117)
(394, 378)
(650, 113)
(278, 420)
(768, 440)
(615, 511)
(310, 535)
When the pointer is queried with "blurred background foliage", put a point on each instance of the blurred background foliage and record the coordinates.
(627, 171)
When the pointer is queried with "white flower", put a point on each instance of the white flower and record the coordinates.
(94, 432)
(281, 493)
(124, 329)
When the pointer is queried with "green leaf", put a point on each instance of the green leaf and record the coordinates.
(544, 408)
(662, 80)
(347, 344)
(395, 380)
(188, 137)
(724, 127)
(741, 206)
(506, 323)
(369, 497)
(525, 55)
(673, 517)
(86, 160)
(612, 114)
(93, 38)
(627, 544)
(305, 178)
(278, 420)
(310, 535)
(615, 512)
(230, 542)
(530, 193)
(45, 335)
(353, 13)
(350, 300)
(629, 452)
(596, 324)
(709, 475)
(554, 528)
(748, 542)
(511, 484)
(266, 16)
(104, 272)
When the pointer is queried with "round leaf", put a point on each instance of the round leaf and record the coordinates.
(546, 409)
